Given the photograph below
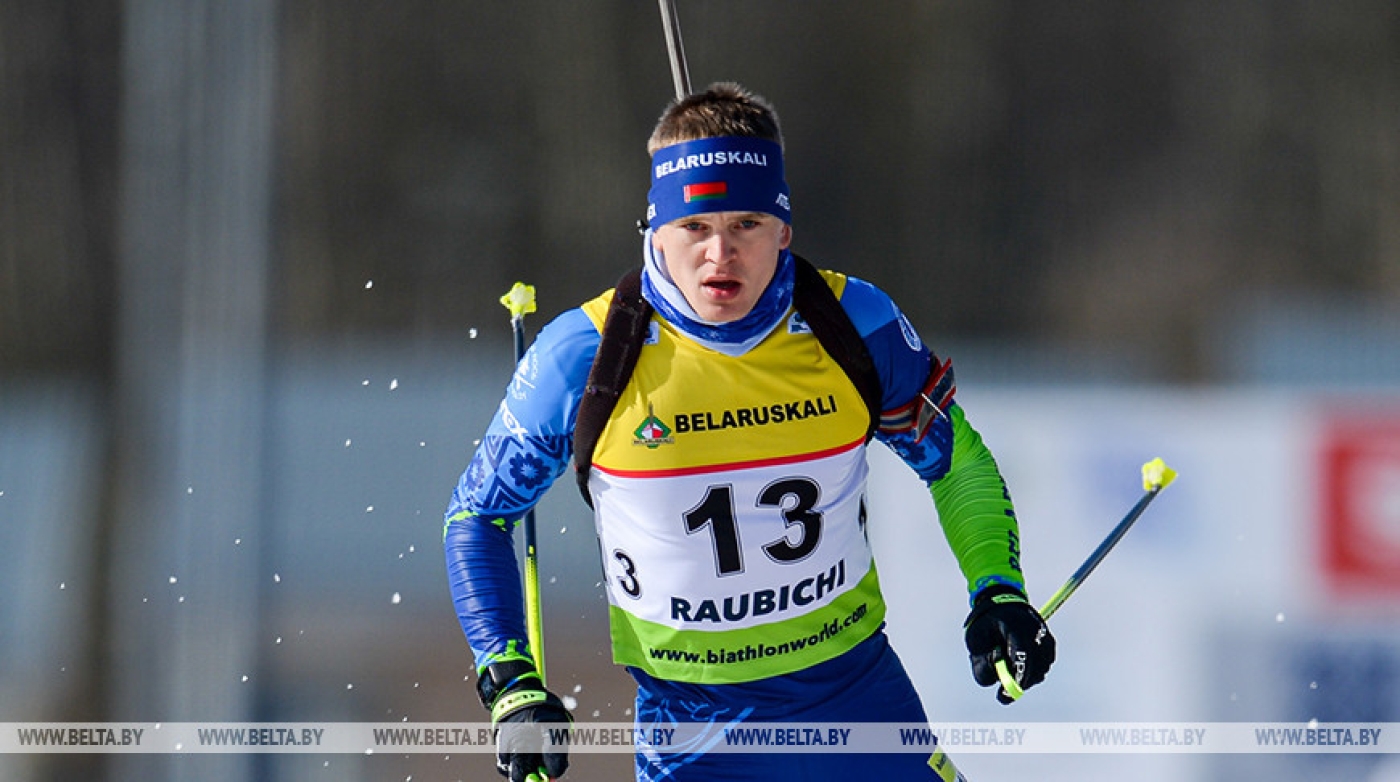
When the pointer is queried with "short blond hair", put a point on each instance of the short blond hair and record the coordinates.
(723, 109)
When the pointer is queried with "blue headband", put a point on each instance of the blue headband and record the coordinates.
(723, 174)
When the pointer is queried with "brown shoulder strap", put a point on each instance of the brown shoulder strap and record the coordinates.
(624, 331)
(832, 327)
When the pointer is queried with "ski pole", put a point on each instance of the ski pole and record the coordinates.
(680, 72)
(1156, 476)
(520, 300)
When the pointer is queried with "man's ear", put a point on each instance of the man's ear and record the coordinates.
(786, 239)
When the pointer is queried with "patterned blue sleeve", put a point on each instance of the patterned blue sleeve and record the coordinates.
(525, 448)
(905, 365)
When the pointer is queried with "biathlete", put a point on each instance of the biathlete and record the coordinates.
(728, 486)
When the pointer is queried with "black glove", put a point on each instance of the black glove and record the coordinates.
(1004, 626)
(514, 694)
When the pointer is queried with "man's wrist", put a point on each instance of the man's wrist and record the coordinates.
(498, 678)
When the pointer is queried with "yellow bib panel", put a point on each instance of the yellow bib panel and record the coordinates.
(728, 496)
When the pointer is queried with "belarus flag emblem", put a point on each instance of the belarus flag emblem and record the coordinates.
(705, 191)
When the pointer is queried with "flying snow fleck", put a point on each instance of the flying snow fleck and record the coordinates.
(369, 284)
(570, 702)
(1278, 617)
(396, 599)
(173, 579)
(393, 384)
(471, 334)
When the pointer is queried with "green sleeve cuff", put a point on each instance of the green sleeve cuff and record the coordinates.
(975, 511)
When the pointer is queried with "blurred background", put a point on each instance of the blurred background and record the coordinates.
(250, 256)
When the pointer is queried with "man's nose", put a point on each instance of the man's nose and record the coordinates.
(719, 248)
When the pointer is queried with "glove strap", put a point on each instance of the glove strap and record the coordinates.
(999, 599)
(511, 702)
(993, 596)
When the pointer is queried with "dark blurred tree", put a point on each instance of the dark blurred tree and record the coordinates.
(59, 71)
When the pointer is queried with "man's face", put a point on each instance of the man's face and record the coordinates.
(722, 261)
